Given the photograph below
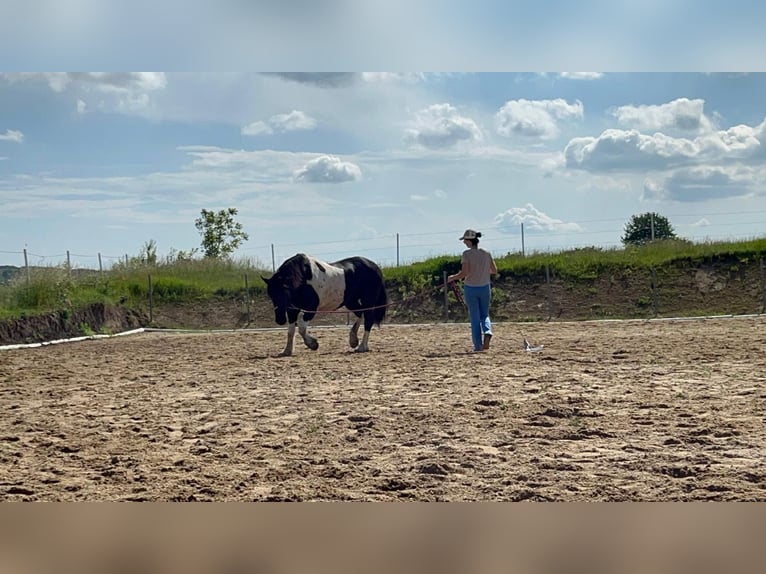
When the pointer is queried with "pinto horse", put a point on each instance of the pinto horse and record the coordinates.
(304, 286)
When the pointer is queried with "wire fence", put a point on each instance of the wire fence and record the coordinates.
(397, 249)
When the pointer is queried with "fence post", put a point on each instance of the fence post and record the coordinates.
(273, 262)
(446, 296)
(100, 265)
(397, 250)
(548, 290)
(126, 261)
(68, 263)
(247, 298)
(522, 239)
(151, 299)
(26, 264)
(763, 287)
(654, 290)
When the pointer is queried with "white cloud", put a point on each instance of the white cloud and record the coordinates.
(102, 81)
(682, 114)
(328, 169)
(581, 75)
(533, 220)
(280, 123)
(440, 126)
(12, 136)
(701, 223)
(125, 92)
(535, 118)
(629, 150)
(81, 105)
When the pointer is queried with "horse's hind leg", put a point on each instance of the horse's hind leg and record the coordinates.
(310, 341)
(368, 319)
(353, 335)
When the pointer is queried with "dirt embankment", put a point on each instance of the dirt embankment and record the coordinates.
(682, 289)
(93, 319)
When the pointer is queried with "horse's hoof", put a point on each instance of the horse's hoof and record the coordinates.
(361, 350)
(285, 354)
(313, 345)
(353, 343)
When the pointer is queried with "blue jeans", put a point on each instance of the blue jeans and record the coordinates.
(477, 300)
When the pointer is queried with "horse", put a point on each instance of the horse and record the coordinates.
(304, 286)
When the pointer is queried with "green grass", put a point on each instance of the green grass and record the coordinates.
(56, 288)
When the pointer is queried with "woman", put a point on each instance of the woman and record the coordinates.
(477, 266)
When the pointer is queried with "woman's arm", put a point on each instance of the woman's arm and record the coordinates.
(462, 274)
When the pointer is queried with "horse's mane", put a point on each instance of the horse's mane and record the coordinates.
(295, 271)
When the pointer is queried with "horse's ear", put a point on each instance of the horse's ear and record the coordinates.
(265, 279)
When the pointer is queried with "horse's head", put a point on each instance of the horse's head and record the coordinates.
(279, 293)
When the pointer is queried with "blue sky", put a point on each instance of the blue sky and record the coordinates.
(338, 164)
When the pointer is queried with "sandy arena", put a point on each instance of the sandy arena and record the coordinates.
(615, 411)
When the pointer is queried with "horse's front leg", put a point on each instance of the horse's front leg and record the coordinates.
(289, 346)
(310, 341)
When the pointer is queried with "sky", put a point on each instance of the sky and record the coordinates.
(338, 164)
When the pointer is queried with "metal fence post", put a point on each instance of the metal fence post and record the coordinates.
(151, 299)
(763, 287)
(548, 290)
(446, 296)
(26, 264)
(247, 298)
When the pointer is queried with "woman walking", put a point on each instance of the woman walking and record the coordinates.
(477, 266)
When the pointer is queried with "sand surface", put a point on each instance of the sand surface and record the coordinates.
(617, 411)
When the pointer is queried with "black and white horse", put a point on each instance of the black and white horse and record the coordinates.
(304, 285)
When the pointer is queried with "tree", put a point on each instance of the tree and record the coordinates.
(221, 235)
(646, 227)
(149, 252)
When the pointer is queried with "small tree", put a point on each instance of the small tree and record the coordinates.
(221, 235)
(646, 227)
(149, 252)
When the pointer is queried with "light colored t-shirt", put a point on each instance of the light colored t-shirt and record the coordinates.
(477, 263)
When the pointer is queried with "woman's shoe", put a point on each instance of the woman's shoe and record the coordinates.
(487, 338)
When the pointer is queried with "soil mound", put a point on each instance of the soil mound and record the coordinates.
(93, 319)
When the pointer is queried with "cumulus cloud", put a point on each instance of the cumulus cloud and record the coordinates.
(618, 149)
(328, 169)
(280, 123)
(12, 136)
(533, 219)
(581, 75)
(441, 126)
(81, 106)
(701, 223)
(682, 114)
(318, 79)
(701, 183)
(535, 118)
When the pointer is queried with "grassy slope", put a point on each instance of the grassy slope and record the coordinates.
(54, 288)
